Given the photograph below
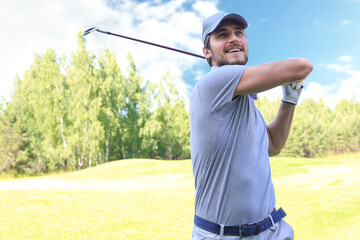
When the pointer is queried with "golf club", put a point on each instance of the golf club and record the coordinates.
(90, 30)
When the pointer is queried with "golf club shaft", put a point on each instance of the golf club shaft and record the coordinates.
(142, 41)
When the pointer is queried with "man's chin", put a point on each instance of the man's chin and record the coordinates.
(234, 62)
(240, 61)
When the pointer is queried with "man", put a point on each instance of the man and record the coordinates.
(230, 141)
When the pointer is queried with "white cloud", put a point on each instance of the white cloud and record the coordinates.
(345, 58)
(345, 22)
(205, 8)
(347, 88)
(316, 91)
(35, 26)
(340, 67)
(31, 27)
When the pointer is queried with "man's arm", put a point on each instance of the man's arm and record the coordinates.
(279, 129)
(269, 75)
(266, 76)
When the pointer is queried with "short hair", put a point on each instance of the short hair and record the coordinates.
(207, 45)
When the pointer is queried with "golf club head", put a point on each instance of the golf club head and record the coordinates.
(90, 30)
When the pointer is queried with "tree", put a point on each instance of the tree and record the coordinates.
(135, 112)
(37, 108)
(267, 108)
(311, 130)
(167, 132)
(112, 102)
(13, 144)
(83, 104)
(347, 126)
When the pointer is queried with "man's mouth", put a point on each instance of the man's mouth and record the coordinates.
(234, 50)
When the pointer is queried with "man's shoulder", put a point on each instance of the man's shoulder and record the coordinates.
(225, 70)
(224, 73)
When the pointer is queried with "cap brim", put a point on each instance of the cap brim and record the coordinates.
(236, 18)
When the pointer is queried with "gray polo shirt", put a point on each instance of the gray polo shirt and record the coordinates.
(229, 151)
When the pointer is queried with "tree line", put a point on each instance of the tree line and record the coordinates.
(73, 114)
(317, 130)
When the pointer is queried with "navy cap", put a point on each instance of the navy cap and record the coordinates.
(212, 22)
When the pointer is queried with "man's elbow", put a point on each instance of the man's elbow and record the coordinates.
(306, 67)
(275, 148)
(274, 152)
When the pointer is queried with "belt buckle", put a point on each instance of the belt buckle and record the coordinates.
(240, 230)
(255, 233)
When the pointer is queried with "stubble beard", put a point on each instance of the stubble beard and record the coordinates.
(222, 60)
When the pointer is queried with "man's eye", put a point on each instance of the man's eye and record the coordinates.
(240, 33)
(221, 35)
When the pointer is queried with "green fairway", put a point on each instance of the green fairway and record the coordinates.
(153, 199)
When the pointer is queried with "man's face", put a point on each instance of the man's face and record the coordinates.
(228, 45)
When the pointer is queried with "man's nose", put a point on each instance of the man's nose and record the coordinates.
(233, 37)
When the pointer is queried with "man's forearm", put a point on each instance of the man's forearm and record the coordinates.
(279, 129)
(266, 76)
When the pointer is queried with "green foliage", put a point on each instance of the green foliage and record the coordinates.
(13, 145)
(112, 97)
(317, 130)
(169, 123)
(267, 108)
(135, 112)
(73, 114)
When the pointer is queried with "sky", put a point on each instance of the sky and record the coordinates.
(326, 32)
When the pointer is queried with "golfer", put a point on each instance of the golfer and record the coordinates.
(230, 141)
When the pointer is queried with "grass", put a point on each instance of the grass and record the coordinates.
(154, 199)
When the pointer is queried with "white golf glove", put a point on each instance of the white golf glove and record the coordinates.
(292, 91)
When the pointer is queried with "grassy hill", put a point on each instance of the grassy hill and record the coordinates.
(153, 199)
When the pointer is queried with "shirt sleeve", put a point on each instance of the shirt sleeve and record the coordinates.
(217, 88)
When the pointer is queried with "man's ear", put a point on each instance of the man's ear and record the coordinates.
(207, 52)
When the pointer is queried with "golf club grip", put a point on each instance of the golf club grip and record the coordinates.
(154, 44)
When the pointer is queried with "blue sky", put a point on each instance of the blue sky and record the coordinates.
(325, 32)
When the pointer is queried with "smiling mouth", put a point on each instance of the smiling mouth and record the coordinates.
(234, 50)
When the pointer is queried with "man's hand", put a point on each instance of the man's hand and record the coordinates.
(292, 91)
